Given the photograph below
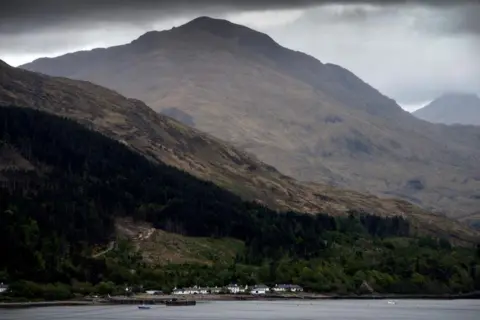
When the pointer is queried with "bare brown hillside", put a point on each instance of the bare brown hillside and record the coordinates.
(161, 138)
(313, 121)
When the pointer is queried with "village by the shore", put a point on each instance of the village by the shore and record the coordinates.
(232, 292)
(259, 289)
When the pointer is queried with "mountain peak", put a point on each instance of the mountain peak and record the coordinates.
(221, 28)
(213, 25)
(208, 21)
(452, 108)
(229, 30)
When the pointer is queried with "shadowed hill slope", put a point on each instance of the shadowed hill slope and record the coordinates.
(83, 181)
(312, 121)
(165, 140)
(58, 223)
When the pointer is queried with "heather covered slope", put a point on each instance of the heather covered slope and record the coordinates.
(312, 121)
(165, 140)
(452, 109)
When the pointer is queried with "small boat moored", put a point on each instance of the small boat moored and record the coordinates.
(144, 307)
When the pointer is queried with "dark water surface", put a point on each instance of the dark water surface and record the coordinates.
(278, 310)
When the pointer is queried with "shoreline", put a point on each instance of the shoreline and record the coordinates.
(36, 304)
(161, 299)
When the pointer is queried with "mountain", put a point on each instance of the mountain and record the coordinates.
(164, 140)
(454, 108)
(312, 121)
(79, 185)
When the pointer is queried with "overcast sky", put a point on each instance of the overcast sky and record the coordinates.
(411, 52)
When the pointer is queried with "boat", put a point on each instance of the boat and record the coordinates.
(391, 302)
(176, 302)
(143, 307)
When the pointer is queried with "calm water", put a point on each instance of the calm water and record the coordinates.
(331, 310)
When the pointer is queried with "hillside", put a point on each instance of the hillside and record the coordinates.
(86, 188)
(452, 109)
(167, 141)
(159, 247)
(83, 182)
(312, 121)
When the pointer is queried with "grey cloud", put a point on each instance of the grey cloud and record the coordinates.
(410, 50)
(21, 15)
(465, 19)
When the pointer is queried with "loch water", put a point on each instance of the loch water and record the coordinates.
(265, 310)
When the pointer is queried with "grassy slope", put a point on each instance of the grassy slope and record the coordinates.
(159, 247)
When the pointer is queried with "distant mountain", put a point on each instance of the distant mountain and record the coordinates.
(452, 109)
(313, 121)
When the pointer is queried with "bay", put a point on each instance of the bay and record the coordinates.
(271, 310)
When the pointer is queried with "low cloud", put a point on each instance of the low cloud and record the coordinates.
(22, 15)
(401, 52)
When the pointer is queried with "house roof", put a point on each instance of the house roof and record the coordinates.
(260, 286)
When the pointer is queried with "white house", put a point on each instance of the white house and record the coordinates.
(192, 290)
(233, 288)
(287, 287)
(182, 291)
(203, 290)
(3, 288)
(259, 289)
(215, 290)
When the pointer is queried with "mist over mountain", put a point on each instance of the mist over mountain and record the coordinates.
(453, 108)
(313, 121)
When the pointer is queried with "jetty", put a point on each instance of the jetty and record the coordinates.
(177, 303)
(151, 301)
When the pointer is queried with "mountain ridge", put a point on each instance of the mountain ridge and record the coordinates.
(312, 121)
(134, 124)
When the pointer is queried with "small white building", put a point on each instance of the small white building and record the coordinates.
(181, 291)
(203, 290)
(3, 288)
(287, 288)
(192, 290)
(233, 288)
(259, 289)
(215, 290)
(243, 289)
